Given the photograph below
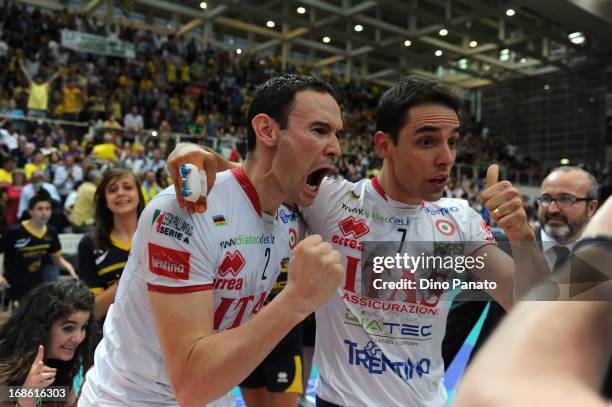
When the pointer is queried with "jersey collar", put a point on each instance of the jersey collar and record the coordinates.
(381, 192)
(248, 188)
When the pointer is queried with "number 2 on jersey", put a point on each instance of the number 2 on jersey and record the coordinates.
(267, 254)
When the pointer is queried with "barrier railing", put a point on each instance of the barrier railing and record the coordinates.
(98, 129)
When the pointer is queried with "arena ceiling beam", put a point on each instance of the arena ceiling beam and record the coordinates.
(91, 6)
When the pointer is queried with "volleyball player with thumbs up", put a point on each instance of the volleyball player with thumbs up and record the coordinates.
(376, 349)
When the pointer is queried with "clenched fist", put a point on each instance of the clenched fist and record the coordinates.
(314, 275)
(505, 205)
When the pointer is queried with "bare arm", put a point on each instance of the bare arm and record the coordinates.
(25, 71)
(529, 265)
(546, 353)
(195, 355)
(64, 264)
(55, 75)
(104, 301)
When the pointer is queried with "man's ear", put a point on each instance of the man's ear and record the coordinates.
(266, 130)
(384, 144)
(593, 207)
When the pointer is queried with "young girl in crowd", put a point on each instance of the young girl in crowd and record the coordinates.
(48, 341)
(103, 255)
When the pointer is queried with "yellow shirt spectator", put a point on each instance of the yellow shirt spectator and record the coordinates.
(105, 151)
(39, 96)
(125, 81)
(146, 84)
(171, 72)
(5, 177)
(31, 167)
(73, 99)
(185, 77)
(83, 210)
(149, 192)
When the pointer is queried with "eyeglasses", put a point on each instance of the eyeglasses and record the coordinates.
(563, 200)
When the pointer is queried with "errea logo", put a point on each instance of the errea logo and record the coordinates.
(233, 263)
(349, 226)
(352, 230)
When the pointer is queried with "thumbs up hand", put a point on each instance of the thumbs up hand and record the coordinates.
(40, 375)
(504, 203)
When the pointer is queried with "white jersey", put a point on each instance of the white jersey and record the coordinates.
(384, 352)
(232, 249)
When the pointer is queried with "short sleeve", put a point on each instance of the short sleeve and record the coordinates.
(316, 214)
(56, 245)
(87, 265)
(174, 248)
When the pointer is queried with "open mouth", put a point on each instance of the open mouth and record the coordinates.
(439, 181)
(314, 179)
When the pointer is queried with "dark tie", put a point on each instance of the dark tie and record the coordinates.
(562, 253)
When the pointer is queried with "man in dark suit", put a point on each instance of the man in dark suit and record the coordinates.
(567, 201)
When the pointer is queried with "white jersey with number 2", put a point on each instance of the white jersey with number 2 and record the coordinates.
(233, 249)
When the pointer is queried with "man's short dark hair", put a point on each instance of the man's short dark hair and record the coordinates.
(41, 196)
(275, 98)
(394, 104)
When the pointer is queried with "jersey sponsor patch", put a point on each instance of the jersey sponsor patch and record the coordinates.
(219, 220)
(287, 216)
(350, 226)
(447, 228)
(168, 262)
(169, 224)
(292, 238)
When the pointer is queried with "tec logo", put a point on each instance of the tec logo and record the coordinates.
(447, 228)
(351, 228)
(232, 265)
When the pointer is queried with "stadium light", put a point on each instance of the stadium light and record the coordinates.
(473, 44)
(238, 51)
(358, 28)
(510, 12)
(576, 38)
(154, 133)
(203, 5)
(438, 53)
(301, 10)
(443, 32)
(326, 40)
(407, 43)
(270, 24)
